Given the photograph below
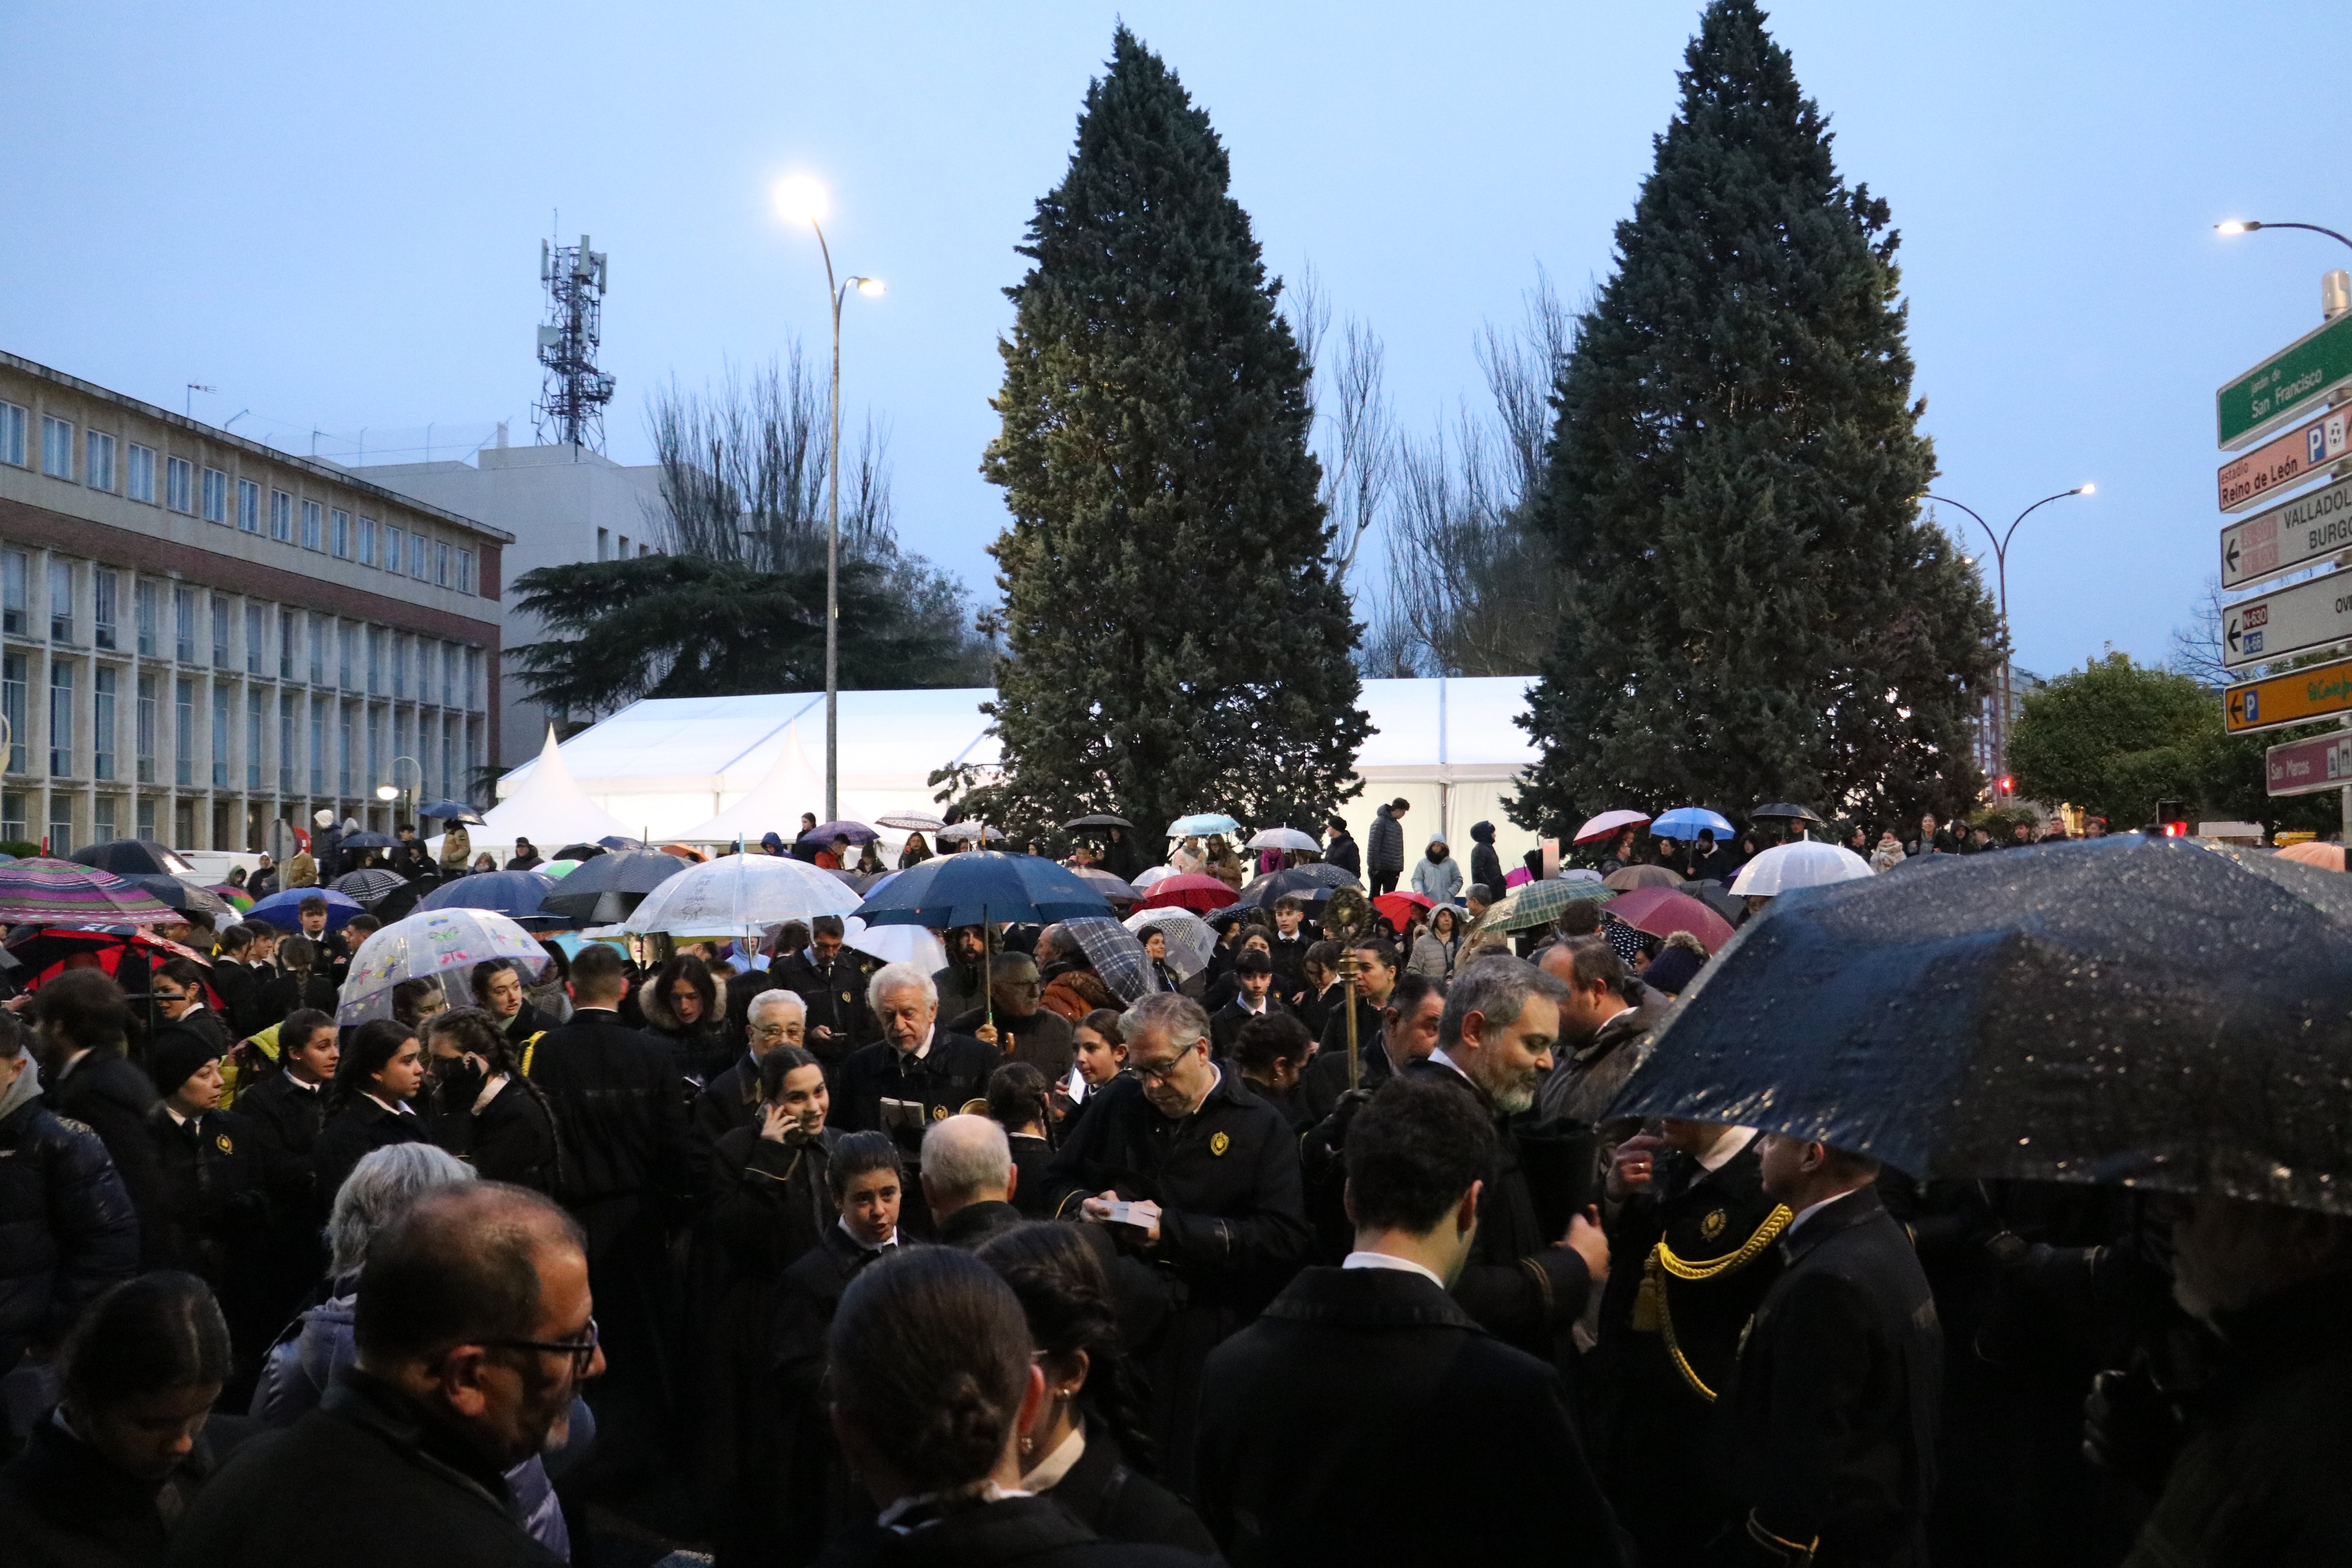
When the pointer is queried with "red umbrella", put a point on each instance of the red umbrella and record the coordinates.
(50, 951)
(1661, 912)
(1399, 906)
(1195, 892)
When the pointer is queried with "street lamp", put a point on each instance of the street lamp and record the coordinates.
(2000, 564)
(388, 793)
(2248, 226)
(801, 199)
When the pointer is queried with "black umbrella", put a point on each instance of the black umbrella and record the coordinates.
(184, 897)
(1097, 819)
(133, 858)
(1786, 812)
(1314, 883)
(2128, 1010)
(450, 811)
(582, 853)
(610, 887)
(366, 838)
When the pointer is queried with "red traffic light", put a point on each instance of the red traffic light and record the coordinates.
(2176, 830)
(2005, 784)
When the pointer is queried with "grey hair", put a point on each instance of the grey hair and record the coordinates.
(966, 1155)
(1495, 989)
(1179, 1016)
(776, 997)
(900, 977)
(380, 1189)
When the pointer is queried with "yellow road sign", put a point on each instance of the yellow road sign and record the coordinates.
(2298, 696)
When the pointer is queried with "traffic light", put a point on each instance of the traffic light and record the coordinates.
(2005, 786)
(2172, 820)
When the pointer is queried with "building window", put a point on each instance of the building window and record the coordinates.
(399, 668)
(286, 629)
(104, 682)
(57, 446)
(12, 815)
(146, 598)
(441, 565)
(220, 736)
(314, 526)
(448, 675)
(142, 475)
(12, 707)
(97, 461)
(183, 731)
(449, 756)
(604, 544)
(473, 679)
(285, 745)
(12, 608)
(146, 814)
(103, 584)
(347, 651)
(367, 541)
(184, 626)
(256, 640)
(215, 495)
(464, 571)
(375, 665)
(253, 715)
(61, 838)
(420, 557)
(281, 517)
(60, 718)
(60, 600)
(350, 746)
(12, 435)
(317, 655)
(145, 735)
(178, 479)
(338, 532)
(392, 540)
(220, 631)
(318, 747)
(375, 743)
(102, 819)
(248, 505)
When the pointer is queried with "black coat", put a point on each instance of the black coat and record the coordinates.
(1027, 1531)
(835, 995)
(66, 1227)
(512, 1138)
(1304, 1413)
(238, 985)
(285, 1120)
(64, 1505)
(727, 1102)
(1519, 1287)
(1043, 1040)
(367, 1481)
(1384, 849)
(975, 1223)
(1103, 1494)
(1662, 1448)
(1326, 1078)
(288, 992)
(811, 1495)
(213, 1196)
(1341, 852)
(952, 1072)
(619, 1106)
(1834, 1401)
(1033, 1195)
(1487, 868)
(1233, 1224)
(111, 1097)
(1226, 1023)
(356, 1129)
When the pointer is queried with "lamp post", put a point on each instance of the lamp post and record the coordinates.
(2248, 226)
(801, 199)
(2001, 569)
(389, 793)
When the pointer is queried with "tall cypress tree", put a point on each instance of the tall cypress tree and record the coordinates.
(1754, 609)
(1175, 642)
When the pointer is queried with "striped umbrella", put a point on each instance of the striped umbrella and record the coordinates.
(44, 890)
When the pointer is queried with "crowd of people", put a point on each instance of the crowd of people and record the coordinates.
(773, 1254)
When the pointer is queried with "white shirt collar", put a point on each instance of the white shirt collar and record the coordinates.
(1727, 1143)
(920, 1052)
(890, 1240)
(1810, 1210)
(1439, 1055)
(173, 1111)
(1050, 1469)
(397, 1107)
(1389, 1260)
(990, 1492)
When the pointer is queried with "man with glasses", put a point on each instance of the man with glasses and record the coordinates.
(1017, 1022)
(474, 1329)
(731, 1099)
(1193, 1172)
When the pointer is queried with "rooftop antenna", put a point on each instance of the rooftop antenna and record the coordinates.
(195, 387)
(570, 406)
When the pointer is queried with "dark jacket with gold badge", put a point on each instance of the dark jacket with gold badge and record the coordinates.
(835, 995)
(1693, 1256)
(213, 1196)
(1836, 1393)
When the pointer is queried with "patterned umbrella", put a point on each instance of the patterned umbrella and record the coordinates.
(235, 897)
(429, 942)
(43, 953)
(911, 821)
(43, 890)
(1283, 838)
(1117, 955)
(1661, 912)
(370, 884)
(1541, 903)
(966, 832)
(1190, 939)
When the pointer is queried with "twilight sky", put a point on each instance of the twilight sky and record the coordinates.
(333, 214)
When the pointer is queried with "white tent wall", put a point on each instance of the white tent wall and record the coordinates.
(667, 767)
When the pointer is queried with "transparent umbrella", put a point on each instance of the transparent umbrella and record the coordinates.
(432, 942)
(737, 895)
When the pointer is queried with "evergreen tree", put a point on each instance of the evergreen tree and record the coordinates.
(1174, 640)
(1752, 608)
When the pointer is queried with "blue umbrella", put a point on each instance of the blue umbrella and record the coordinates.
(616, 841)
(365, 839)
(514, 894)
(284, 910)
(1201, 824)
(821, 836)
(1685, 822)
(979, 885)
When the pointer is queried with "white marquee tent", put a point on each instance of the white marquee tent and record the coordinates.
(679, 768)
(548, 807)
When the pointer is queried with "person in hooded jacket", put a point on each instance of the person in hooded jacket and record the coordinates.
(81, 1023)
(686, 1005)
(1485, 866)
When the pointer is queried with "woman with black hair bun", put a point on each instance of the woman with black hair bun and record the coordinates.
(1082, 1446)
(1020, 1102)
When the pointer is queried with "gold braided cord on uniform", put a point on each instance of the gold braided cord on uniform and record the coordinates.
(1662, 1256)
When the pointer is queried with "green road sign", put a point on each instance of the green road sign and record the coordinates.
(2275, 391)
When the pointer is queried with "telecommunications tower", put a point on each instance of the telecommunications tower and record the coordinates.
(571, 406)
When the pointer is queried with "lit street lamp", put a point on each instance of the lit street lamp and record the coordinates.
(2248, 226)
(2001, 565)
(801, 199)
(389, 793)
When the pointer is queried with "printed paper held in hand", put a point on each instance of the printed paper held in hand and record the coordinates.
(1142, 1214)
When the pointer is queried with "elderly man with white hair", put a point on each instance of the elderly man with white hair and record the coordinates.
(967, 1179)
(915, 1074)
(731, 1099)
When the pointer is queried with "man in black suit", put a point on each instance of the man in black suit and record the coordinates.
(968, 1180)
(1304, 1413)
(832, 982)
(1197, 1174)
(624, 1176)
(1404, 1030)
(82, 1026)
(1254, 1000)
(1839, 1376)
(1494, 1044)
(1693, 1232)
(915, 1074)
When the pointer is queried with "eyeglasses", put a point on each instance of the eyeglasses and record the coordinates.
(582, 1352)
(1159, 1072)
